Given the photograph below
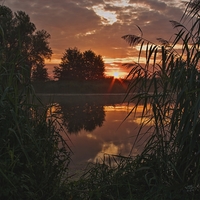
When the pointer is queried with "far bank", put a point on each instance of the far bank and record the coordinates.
(81, 87)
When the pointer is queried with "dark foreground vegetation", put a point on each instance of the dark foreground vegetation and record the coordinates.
(34, 158)
(169, 166)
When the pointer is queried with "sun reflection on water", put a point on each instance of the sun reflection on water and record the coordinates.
(112, 135)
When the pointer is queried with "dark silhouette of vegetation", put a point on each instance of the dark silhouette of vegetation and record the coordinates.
(169, 165)
(79, 66)
(79, 116)
(40, 73)
(34, 157)
(23, 45)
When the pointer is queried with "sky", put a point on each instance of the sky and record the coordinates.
(99, 25)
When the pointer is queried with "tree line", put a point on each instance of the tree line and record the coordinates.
(22, 44)
(76, 65)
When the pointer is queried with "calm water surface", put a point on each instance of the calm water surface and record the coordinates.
(95, 125)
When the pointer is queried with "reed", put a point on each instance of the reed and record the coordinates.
(33, 156)
(169, 83)
(172, 151)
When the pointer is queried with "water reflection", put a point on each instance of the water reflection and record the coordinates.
(98, 122)
(84, 116)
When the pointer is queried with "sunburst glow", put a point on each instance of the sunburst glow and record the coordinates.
(116, 74)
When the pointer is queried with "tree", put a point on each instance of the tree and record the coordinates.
(71, 65)
(21, 43)
(40, 73)
(79, 66)
(94, 65)
(33, 155)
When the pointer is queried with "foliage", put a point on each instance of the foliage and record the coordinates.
(79, 66)
(172, 151)
(33, 156)
(118, 177)
(94, 65)
(169, 83)
(22, 44)
(40, 73)
(114, 178)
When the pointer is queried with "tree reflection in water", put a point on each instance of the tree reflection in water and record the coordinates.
(81, 112)
(86, 116)
(97, 127)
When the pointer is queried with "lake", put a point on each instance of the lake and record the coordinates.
(96, 124)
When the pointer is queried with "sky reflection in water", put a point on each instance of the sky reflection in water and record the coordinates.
(95, 126)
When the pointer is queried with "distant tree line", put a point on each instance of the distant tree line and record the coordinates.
(22, 44)
(76, 65)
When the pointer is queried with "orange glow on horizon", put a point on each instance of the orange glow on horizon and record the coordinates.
(116, 74)
(111, 69)
(113, 82)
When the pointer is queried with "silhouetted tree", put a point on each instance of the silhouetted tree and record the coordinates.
(71, 65)
(94, 65)
(21, 43)
(40, 73)
(79, 66)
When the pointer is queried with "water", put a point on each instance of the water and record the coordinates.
(97, 125)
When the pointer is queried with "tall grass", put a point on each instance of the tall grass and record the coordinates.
(173, 150)
(169, 83)
(33, 156)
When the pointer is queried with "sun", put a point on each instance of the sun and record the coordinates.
(116, 78)
(116, 74)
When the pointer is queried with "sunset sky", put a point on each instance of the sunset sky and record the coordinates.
(98, 25)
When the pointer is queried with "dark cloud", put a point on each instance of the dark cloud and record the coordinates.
(74, 23)
(152, 4)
